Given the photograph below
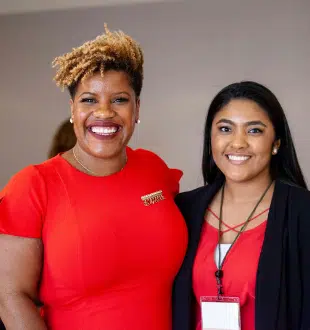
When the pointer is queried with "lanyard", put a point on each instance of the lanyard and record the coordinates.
(219, 273)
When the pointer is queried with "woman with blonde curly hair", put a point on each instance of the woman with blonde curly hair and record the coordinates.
(93, 233)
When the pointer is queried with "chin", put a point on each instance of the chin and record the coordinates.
(238, 177)
(105, 151)
(237, 180)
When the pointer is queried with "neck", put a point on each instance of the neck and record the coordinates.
(248, 191)
(98, 166)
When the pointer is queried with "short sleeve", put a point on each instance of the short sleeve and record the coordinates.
(152, 161)
(174, 177)
(22, 204)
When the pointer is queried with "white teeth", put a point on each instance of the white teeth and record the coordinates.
(104, 130)
(238, 158)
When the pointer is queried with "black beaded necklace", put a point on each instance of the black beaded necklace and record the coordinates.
(219, 273)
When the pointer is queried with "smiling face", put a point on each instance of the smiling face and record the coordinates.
(104, 111)
(242, 140)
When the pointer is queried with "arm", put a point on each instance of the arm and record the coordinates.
(20, 269)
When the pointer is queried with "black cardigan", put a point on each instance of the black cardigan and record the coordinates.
(283, 275)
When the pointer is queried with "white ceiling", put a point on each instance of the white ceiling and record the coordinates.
(24, 6)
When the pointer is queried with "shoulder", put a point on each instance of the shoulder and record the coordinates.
(196, 201)
(28, 176)
(147, 156)
(298, 198)
(31, 177)
(191, 202)
(188, 197)
(49, 163)
(23, 203)
(302, 195)
(203, 193)
(149, 163)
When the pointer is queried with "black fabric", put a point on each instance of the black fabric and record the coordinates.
(283, 275)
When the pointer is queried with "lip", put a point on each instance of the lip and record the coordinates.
(104, 123)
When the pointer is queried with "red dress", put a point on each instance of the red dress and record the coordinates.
(239, 269)
(109, 260)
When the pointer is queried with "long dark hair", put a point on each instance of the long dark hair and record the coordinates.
(284, 165)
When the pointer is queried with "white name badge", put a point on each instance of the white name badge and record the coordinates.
(221, 313)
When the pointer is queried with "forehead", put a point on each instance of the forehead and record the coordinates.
(241, 111)
(113, 81)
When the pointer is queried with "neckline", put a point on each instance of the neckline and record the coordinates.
(93, 177)
(262, 224)
(234, 228)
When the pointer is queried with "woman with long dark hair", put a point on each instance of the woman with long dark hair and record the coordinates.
(247, 264)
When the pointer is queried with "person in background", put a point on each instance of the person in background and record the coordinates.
(63, 140)
(93, 232)
(249, 225)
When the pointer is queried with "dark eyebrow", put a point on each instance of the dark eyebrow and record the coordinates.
(249, 123)
(123, 92)
(255, 122)
(94, 94)
(225, 121)
(89, 93)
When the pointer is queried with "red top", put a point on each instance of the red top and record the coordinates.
(109, 260)
(239, 269)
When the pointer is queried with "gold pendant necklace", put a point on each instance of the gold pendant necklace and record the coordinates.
(87, 169)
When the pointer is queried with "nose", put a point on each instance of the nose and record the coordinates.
(104, 111)
(239, 141)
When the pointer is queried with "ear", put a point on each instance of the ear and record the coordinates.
(137, 114)
(276, 146)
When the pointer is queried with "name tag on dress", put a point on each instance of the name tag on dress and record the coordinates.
(220, 313)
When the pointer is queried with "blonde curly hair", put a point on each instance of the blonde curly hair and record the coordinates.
(109, 51)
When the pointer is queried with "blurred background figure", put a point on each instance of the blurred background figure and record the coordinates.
(63, 140)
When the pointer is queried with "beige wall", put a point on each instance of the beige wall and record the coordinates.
(192, 49)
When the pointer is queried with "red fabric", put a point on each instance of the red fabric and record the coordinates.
(109, 260)
(234, 228)
(239, 269)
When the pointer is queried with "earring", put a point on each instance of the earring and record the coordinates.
(71, 120)
(138, 121)
(274, 151)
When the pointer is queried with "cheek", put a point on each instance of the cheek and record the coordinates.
(128, 117)
(80, 116)
(218, 144)
(265, 157)
(263, 148)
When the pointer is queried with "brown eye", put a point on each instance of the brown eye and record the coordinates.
(88, 100)
(255, 131)
(120, 100)
(225, 129)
